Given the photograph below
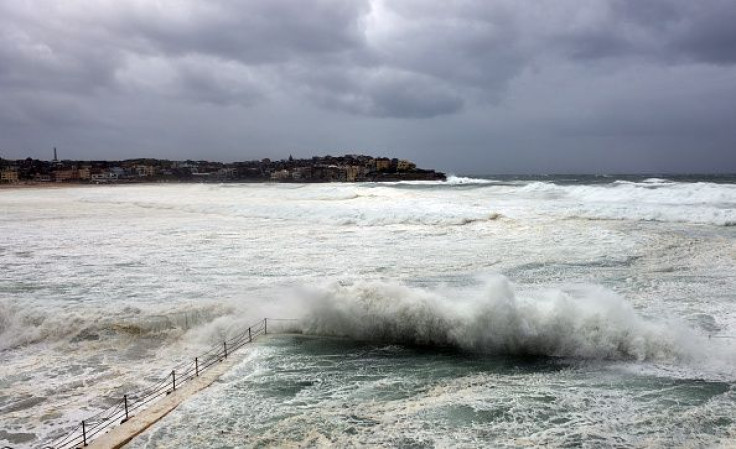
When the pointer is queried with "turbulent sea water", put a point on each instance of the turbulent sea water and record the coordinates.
(494, 311)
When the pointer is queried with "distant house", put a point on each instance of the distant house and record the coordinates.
(280, 175)
(353, 173)
(119, 171)
(9, 176)
(226, 173)
(145, 170)
(383, 163)
(65, 175)
(302, 173)
(103, 177)
(404, 165)
(84, 173)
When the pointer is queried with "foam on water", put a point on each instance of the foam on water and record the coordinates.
(22, 325)
(104, 289)
(704, 203)
(465, 180)
(295, 392)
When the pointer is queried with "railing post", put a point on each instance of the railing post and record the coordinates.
(84, 433)
(224, 345)
(125, 401)
(173, 379)
(265, 325)
(196, 366)
(250, 337)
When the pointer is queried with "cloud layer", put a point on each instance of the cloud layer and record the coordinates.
(563, 85)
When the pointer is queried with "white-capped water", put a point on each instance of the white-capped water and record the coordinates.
(103, 289)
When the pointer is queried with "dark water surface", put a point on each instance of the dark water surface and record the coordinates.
(311, 392)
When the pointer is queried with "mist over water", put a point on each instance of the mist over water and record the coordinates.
(613, 297)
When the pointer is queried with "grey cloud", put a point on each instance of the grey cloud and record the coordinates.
(192, 78)
(385, 93)
(674, 31)
(253, 32)
(408, 75)
(710, 35)
(42, 61)
(474, 46)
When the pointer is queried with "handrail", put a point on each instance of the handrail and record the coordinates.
(182, 373)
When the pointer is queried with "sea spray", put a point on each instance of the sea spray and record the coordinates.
(587, 322)
(21, 326)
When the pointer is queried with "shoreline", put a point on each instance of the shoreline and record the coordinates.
(43, 185)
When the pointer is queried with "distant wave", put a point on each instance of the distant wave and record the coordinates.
(452, 179)
(657, 200)
(459, 201)
(657, 181)
(341, 205)
(589, 323)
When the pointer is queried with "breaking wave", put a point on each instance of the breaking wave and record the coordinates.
(465, 180)
(583, 322)
(326, 204)
(22, 326)
(650, 200)
(455, 202)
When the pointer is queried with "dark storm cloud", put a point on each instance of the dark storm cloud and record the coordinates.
(388, 74)
(670, 30)
(253, 32)
(382, 92)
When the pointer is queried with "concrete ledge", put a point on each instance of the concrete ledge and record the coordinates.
(121, 435)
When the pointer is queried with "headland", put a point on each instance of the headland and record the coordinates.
(348, 168)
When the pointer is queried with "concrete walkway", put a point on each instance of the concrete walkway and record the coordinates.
(121, 435)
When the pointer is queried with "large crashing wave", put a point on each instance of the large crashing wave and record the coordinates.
(587, 322)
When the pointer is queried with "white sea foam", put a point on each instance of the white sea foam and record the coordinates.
(584, 322)
(425, 204)
(703, 203)
(452, 179)
(23, 325)
(102, 287)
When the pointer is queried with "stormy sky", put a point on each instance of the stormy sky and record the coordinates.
(488, 86)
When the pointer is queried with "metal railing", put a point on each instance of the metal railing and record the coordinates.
(123, 409)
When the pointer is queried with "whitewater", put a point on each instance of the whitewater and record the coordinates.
(494, 311)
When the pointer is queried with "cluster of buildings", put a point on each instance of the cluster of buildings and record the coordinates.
(348, 168)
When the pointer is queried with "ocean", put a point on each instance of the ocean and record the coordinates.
(491, 311)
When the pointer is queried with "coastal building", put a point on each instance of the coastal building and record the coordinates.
(227, 172)
(280, 175)
(103, 177)
(119, 171)
(302, 173)
(65, 175)
(383, 163)
(9, 176)
(84, 173)
(352, 173)
(404, 165)
(145, 170)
